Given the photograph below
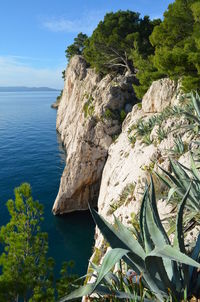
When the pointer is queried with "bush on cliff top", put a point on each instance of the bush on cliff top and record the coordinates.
(177, 48)
(151, 49)
(77, 47)
(109, 47)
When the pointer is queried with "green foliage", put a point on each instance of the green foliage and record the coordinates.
(147, 139)
(88, 107)
(176, 41)
(193, 114)
(180, 180)
(122, 115)
(146, 73)
(77, 47)
(179, 147)
(63, 75)
(161, 134)
(108, 114)
(26, 272)
(143, 128)
(59, 96)
(67, 280)
(109, 47)
(167, 270)
(126, 195)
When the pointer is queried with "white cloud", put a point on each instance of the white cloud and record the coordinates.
(86, 23)
(15, 71)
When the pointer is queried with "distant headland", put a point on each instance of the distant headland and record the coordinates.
(23, 88)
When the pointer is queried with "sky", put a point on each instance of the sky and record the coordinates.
(34, 34)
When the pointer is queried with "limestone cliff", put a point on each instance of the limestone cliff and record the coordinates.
(88, 119)
(133, 156)
(115, 172)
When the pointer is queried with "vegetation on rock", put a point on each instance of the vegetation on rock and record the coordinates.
(109, 47)
(152, 49)
(77, 47)
(164, 271)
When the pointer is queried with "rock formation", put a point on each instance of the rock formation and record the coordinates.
(131, 159)
(88, 119)
(115, 172)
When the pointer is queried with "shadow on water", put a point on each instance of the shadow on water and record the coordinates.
(61, 148)
(73, 234)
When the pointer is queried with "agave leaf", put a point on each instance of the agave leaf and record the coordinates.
(118, 238)
(171, 177)
(179, 240)
(171, 253)
(196, 251)
(156, 230)
(121, 239)
(181, 183)
(171, 192)
(163, 178)
(179, 236)
(191, 116)
(142, 211)
(103, 290)
(148, 242)
(193, 167)
(85, 290)
(110, 259)
(196, 104)
(195, 255)
(181, 176)
(158, 272)
(151, 276)
(156, 217)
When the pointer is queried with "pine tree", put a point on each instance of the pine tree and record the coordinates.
(109, 47)
(77, 47)
(26, 272)
(176, 41)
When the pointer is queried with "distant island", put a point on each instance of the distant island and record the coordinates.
(23, 88)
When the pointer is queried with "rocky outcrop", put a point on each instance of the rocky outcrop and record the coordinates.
(132, 157)
(88, 119)
(159, 95)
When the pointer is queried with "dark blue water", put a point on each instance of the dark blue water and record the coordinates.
(31, 151)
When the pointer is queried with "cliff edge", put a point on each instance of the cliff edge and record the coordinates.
(89, 119)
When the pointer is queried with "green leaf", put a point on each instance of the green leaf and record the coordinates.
(171, 253)
(158, 272)
(121, 239)
(110, 259)
(193, 167)
(85, 290)
(179, 236)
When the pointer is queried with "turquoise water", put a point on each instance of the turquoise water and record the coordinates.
(31, 151)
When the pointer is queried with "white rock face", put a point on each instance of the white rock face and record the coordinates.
(88, 118)
(128, 165)
(159, 95)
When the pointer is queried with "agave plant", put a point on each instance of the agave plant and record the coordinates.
(179, 147)
(178, 182)
(195, 118)
(166, 270)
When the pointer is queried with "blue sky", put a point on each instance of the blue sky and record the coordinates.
(35, 33)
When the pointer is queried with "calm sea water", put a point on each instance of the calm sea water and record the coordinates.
(31, 151)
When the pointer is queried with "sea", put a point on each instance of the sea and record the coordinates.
(31, 151)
